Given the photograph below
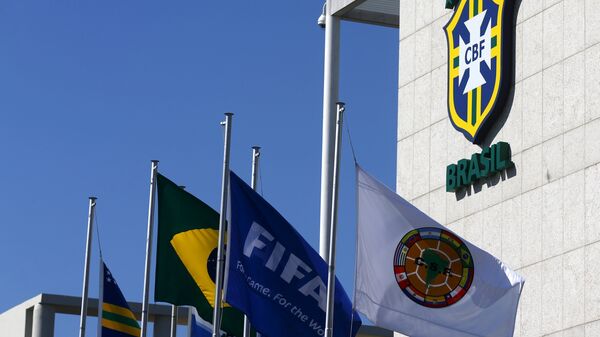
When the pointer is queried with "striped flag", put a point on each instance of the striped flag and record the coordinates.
(117, 318)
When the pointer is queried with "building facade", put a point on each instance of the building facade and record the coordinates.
(542, 216)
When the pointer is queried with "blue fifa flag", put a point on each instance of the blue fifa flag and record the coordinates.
(117, 318)
(274, 276)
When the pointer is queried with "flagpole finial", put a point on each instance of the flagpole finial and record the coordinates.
(93, 198)
(154, 161)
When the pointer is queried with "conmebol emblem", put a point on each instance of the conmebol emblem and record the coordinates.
(480, 54)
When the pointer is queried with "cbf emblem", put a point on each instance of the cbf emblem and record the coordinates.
(480, 52)
(433, 267)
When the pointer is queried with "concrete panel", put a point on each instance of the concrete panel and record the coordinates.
(406, 110)
(578, 331)
(552, 288)
(532, 168)
(422, 203)
(574, 34)
(532, 104)
(437, 205)
(439, 47)
(532, 227)
(439, 11)
(14, 322)
(574, 91)
(492, 191)
(550, 3)
(439, 107)
(513, 128)
(531, 302)
(420, 175)
(592, 329)
(422, 105)
(511, 233)
(532, 50)
(474, 201)
(423, 13)
(553, 104)
(407, 17)
(511, 187)
(407, 60)
(592, 142)
(553, 35)
(574, 210)
(552, 159)
(455, 209)
(529, 8)
(423, 51)
(592, 282)
(592, 204)
(473, 228)
(492, 233)
(519, 53)
(573, 280)
(592, 22)
(592, 82)
(574, 156)
(438, 155)
(405, 167)
(552, 219)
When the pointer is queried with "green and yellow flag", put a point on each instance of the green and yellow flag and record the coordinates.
(187, 254)
(117, 319)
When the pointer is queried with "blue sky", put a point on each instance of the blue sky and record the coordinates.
(91, 91)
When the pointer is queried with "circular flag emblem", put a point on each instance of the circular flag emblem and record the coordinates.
(433, 267)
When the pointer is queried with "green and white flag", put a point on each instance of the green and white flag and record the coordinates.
(186, 255)
(419, 278)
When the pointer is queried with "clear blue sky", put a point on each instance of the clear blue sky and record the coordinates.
(91, 91)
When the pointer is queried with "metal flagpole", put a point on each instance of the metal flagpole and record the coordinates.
(254, 184)
(189, 332)
(333, 223)
(330, 97)
(154, 170)
(173, 320)
(86, 268)
(100, 296)
(222, 224)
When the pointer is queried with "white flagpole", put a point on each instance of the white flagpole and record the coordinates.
(333, 222)
(100, 296)
(173, 320)
(189, 332)
(254, 184)
(331, 78)
(86, 268)
(154, 170)
(222, 225)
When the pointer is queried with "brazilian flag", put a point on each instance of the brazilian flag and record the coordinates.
(117, 318)
(186, 255)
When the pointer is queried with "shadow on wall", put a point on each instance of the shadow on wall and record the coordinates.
(490, 182)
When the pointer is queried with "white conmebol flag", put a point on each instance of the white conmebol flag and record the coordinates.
(417, 277)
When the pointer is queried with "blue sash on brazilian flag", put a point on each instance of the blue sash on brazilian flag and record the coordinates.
(117, 318)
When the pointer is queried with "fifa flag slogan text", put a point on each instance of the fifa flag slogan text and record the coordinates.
(294, 271)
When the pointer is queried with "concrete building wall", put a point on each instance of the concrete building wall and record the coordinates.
(544, 220)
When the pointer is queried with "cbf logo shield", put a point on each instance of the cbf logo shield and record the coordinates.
(480, 54)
